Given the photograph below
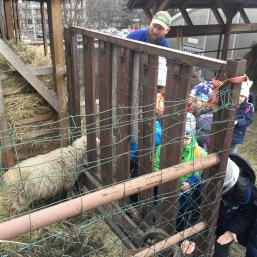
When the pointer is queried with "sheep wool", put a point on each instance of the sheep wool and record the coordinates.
(43, 176)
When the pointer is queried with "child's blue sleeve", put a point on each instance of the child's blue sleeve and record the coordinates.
(158, 133)
(193, 180)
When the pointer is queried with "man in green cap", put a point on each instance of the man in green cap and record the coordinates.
(159, 27)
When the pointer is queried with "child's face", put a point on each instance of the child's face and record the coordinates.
(197, 104)
(187, 141)
(241, 99)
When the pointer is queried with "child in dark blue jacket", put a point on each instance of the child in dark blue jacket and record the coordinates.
(238, 212)
(244, 116)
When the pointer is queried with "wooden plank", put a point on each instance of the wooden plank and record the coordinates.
(123, 112)
(34, 134)
(45, 70)
(131, 229)
(21, 67)
(172, 138)
(13, 90)
(105, 106)
(90, 100)
(220, 142)
(43, 22)
(39, 118)
(176, 55)
(9, 19)
(146, 146)
(25, 154)
(71, 51)
(57, 54)
(18, 20)
(7, 156)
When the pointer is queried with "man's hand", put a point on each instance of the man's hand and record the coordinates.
(187, 247)
(185, 186)
(226, 238)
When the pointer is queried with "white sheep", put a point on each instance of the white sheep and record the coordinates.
(43, 176)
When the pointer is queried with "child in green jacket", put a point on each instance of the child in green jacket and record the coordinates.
(190, 186)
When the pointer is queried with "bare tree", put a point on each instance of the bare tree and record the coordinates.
(74, 12)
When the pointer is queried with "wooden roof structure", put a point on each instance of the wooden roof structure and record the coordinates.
(11, 30)
(224, 27)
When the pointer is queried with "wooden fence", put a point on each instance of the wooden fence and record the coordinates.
(127, 70)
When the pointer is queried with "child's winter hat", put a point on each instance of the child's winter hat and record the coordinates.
(202, 91)
(231, 177)
(245, 88)
(190, 125)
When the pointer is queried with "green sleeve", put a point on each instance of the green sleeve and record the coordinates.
(157, 159)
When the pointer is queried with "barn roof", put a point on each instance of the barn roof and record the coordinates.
(173, 4)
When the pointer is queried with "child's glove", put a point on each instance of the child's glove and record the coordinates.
(236, 122)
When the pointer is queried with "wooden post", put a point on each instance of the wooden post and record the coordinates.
(7, 157)
(43, 22)
(15, 19)
(57, 53)
(105, 104)
(9, 19)
(90, 100)
(146, 146)
(220, 142)
(177, 91)
(123, 112)
(2, 18)
(73, 82)
(226, 39)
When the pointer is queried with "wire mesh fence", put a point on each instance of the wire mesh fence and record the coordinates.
(113, 174)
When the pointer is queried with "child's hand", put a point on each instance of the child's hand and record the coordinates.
(226, 238)
(185, 186)
(187, 247)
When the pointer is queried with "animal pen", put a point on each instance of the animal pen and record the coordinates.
(120, 105)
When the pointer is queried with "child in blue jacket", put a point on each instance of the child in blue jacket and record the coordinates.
(244, 116)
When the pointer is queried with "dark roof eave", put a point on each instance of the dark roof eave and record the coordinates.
(131, 4)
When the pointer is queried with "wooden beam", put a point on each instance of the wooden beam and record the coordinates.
(9, 19)
(57, 53)
(220, 142)
(18, 20)
(186, 17)
(15, 19)
(90, 100)
(123, 113)
(172, 139)
(226, 40)
(6, 155)
(2, 19)
(244, 15)
(43, 22)
(147, 48)
(228, 8)
(217, 15)
(25, 72)
(46, 70)
(148, 14)
(163, 6)
(146, 142)
(200, 30)
(105, 106)
(39, 118)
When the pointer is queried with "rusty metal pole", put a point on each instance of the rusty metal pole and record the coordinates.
(53, 214)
